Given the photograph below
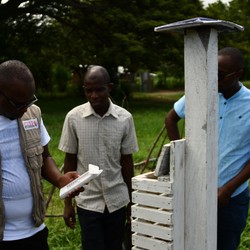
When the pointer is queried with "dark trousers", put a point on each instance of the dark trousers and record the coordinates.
(35, 242)
(232, 221)
(102, 231)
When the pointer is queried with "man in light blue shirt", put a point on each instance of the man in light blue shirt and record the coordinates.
(233, 147)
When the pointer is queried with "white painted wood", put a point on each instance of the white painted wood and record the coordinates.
(165, 178)
(152, 214)
(201, 138)
(150, 210)
(143, 242)
(152, 200)
(177, 170)
(148, 182)
(161, 215)
(152, 229)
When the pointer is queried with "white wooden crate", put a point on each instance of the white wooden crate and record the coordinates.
(158, 210)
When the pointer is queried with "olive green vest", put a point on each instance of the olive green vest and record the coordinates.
(30, 141)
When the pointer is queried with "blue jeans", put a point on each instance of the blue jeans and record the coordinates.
(102, 231)
(232, 221)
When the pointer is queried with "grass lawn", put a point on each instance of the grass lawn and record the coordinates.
(149, 111)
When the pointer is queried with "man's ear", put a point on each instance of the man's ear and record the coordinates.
(110, 86)
(240, 73)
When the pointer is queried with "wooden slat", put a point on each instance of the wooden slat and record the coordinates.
(152, 214)
(153, 230)
(148, 182)
(147, 199)
(143, 242)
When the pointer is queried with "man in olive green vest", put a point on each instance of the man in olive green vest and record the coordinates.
(24, 161)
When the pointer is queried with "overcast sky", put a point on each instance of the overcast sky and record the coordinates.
(206, 2)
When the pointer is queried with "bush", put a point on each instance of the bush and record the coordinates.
(121, 92)
(168, 82)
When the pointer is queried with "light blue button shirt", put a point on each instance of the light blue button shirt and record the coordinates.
(233, 133)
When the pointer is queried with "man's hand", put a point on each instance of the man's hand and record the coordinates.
(76, 192)
(67, 178)
(224, 195)
(69, 215)
(128, 213)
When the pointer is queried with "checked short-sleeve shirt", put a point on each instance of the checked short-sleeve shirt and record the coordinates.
(100, 141)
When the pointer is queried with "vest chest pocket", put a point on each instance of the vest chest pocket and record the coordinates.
(35, 158)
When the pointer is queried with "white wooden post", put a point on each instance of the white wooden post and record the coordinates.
(201, 62)
(201, 92)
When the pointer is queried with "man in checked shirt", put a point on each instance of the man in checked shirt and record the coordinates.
(101, 133)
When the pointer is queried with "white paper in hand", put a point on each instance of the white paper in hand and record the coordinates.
(92, 173)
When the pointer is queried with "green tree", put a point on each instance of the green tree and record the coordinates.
(112, 33)
(237, 11)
